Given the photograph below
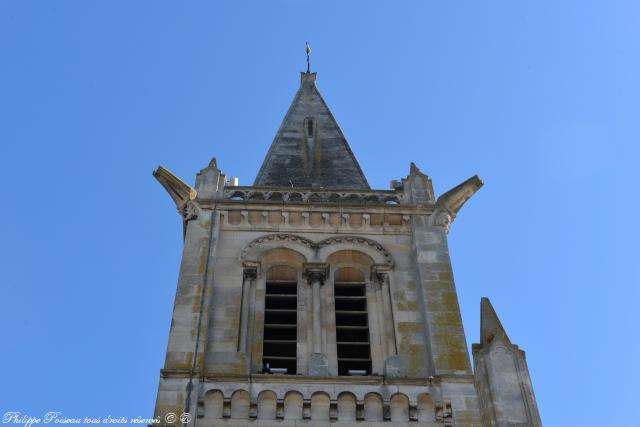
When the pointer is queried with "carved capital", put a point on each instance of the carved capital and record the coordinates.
(380, 278)
(250, 271)
(316, 272)
(380, 273)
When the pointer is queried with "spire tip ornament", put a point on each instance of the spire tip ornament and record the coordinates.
(307, 49)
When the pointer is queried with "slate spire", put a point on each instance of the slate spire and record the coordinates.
(309, 149)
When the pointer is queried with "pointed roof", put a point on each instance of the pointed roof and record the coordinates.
(490, 325)
(309, 149)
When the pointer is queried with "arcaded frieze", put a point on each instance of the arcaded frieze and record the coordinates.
(315, 221)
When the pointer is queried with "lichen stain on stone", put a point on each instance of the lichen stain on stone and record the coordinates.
(237, 367)
(256, 350)
(446, 318)
(408, 347)
(257, 347)
(453, 355)
(180, 401)
(177, 408)
(195, 303)
(440, 285)
(407, 305)
(400, 299)
(449, 298)
(408, 327)
(200, 360)
(179, 360)
(416, 358)
(232, 315)
(446, 338)
(445, 275)
(202, 260)
(454, 361)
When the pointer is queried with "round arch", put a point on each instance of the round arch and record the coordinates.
(371, 248)
(316, 251)
(255, 249)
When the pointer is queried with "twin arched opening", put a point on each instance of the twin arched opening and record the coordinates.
(302, 316)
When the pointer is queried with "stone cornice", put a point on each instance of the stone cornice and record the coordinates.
(304, 379)
(464, 378)
(318, 207)
(314, 195)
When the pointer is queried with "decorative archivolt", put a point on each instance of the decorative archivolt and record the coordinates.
(357, 241)
(306, 246)
(315, 251)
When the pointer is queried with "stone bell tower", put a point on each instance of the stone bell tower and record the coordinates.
(309, 298)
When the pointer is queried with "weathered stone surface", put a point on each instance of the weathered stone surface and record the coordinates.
(318, 365)
(396, 367)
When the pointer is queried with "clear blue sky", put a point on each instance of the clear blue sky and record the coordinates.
(540, 98)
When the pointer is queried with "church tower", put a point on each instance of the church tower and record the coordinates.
(310, 299)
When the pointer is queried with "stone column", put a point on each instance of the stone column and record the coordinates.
(316, 274)
(392, 349)
(249, 275)
(381, 276)
(395, 364)
(317, 319)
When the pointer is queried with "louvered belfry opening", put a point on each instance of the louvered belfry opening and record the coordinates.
(352, 326)
(280, 321)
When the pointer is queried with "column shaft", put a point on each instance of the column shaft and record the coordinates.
(389, 323)
(248, 278)
(317, 318)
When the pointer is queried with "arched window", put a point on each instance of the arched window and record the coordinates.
(280, 321)
(352, 326)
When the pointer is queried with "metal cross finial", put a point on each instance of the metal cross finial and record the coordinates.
(307, 49)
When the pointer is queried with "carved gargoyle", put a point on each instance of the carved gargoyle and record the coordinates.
(448, 204)
(181, 193)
